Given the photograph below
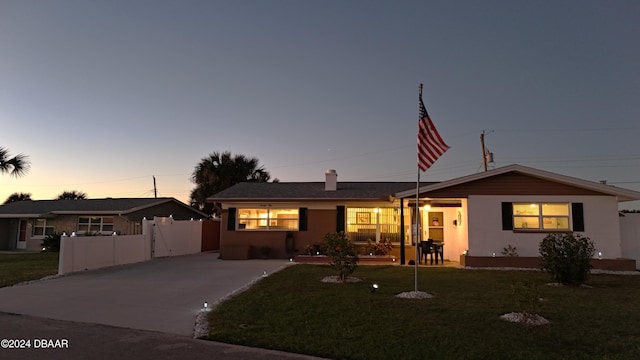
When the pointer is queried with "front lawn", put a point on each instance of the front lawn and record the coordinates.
(294, 311)
(16, 268)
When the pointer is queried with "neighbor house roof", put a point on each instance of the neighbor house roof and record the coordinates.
(622, 194)
(253, 191)
(122, 206)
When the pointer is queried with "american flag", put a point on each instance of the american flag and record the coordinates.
(430, 144)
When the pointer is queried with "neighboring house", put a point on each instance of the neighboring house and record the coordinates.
(23, 224)
(480, 214)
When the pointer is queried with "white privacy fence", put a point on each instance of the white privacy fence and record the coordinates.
(160, 237)
(630, 236)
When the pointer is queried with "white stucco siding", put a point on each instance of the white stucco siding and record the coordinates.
(486, 236)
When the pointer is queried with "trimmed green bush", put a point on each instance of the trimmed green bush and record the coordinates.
(344, 258)
(567, 257)
(51, 242)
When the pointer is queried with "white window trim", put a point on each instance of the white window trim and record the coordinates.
(541, 217)
(44, 231)
(267, 219)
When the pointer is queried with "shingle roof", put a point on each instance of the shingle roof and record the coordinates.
(94, 206)
(310, 191)
(622, 194)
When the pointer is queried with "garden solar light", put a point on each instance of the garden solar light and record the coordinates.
(600, 255)
(206, 306)
(373, 288)
(264, 274)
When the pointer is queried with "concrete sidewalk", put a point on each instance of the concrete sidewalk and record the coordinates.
(163, 295)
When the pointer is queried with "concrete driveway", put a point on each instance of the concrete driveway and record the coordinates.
(163, 295)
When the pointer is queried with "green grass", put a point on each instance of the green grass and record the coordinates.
(294, 311)
(16, 268)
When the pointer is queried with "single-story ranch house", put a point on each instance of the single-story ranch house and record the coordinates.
(24, 224)
(478, 215)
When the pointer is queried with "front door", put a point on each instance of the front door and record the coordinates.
(22, 235)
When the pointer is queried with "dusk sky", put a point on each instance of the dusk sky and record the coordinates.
(103, 95)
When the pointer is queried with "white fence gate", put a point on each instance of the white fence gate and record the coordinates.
(630, 237)
(160, 237)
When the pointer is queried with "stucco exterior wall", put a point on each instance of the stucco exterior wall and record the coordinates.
(487, 237)
(320, 222)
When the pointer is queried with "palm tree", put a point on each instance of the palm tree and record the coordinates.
(219, 171)
(17, 197)
(72, 195)
(16, 166)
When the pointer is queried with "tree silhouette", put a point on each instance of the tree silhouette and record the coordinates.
(17, 197)
(72, 195)
(219, 171)
(17, 165)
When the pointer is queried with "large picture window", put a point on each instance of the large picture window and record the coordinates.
(541, 216)
(41, 229)
(268, 219)
(366, 223)
(95, 224)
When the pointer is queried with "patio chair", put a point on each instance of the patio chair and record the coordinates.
(426, 248)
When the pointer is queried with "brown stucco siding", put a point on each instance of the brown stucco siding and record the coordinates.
(508, 184)
(320, 222)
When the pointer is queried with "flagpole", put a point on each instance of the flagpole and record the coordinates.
(418, 230)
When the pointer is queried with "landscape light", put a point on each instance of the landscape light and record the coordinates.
(600, 255)
(206, 306)
(264, 274)
(373, 288)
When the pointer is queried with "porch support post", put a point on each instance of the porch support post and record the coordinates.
(402, 256)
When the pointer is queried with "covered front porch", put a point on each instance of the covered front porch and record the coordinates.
(442, 220)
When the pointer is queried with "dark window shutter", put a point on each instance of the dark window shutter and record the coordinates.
(577, 213)
(507, 216)
(231, 220)
(340, 218)
(302, 219)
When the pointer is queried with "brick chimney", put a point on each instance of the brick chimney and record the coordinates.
(331, 180)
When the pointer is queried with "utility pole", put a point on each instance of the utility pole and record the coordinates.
(484, 154)
(487, 156)
(155, 190)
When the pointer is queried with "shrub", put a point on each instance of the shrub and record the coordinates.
(567, 257)
(51, 242)
(383, 247)
(509, 250)
(342, 252)
(315, 249)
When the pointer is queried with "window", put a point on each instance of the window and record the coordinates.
(40, 228)
(268, 219)
(541, 216)
(95, 224)
(364, 223)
